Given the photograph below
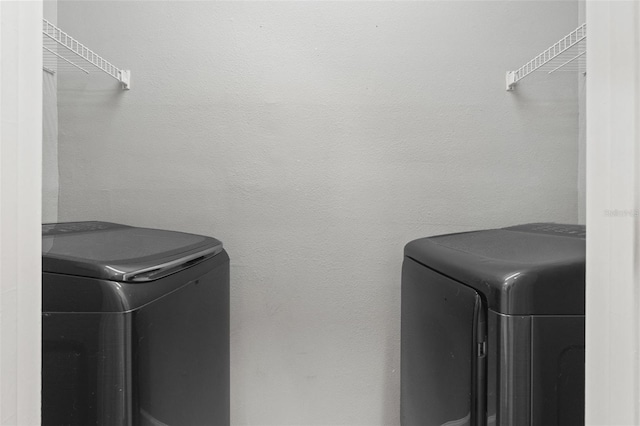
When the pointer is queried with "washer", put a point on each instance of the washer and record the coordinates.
(135, 327)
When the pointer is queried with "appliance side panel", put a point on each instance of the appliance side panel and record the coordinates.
(86, 373)
(181, 355)
(438, 348)
(558, 364)
(509, 370)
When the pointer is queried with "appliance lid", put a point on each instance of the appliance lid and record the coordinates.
(536, 268)
(119, 252)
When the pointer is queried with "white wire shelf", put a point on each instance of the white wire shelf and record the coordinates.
(63, 52)
(568, 54)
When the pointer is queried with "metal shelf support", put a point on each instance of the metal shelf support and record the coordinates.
(80, 51)
(561, 48)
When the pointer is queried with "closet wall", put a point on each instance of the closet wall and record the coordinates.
(315, 139)
(582, 131)
(50, 185)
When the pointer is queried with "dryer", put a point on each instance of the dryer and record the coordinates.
(492, 328)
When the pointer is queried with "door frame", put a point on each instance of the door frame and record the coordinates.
(613, 209)
(20, 211)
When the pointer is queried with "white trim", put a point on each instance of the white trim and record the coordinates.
(613, 203)
(20, 211)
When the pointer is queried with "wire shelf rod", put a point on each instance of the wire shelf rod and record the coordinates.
(64, 59)
(567, 62)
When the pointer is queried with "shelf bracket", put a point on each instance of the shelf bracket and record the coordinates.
(511, 80)
(125, 79)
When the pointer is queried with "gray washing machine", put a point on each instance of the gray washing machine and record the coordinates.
(135, 327)
(493, 328)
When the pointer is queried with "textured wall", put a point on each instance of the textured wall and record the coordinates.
(315, 139)
(582, 129)
(50, 185)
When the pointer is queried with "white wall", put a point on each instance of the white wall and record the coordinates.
(50, 185)
(582, 128)
(315, 139)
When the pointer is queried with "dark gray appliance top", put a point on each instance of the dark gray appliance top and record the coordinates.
(532, 269)
(121, 253)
